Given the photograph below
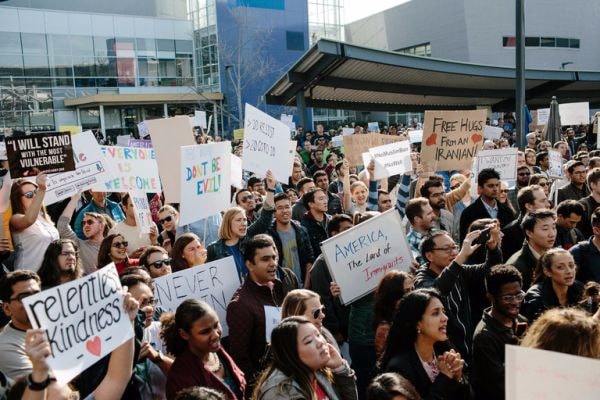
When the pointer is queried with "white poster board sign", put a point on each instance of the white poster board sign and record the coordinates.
(205, 180)
(91, 169)
(502, 160)
(3, 151)
(347, 131)
(541, 374)
(214, 282)
(200, 119)
(337, 141)
(542, 116)
(135, 169)
(142, 213)
(373, 127)
(237, 177)
(143, 129)
(574, 113)
(358, 257)
(492, 132)
(391, 159)
(266, 145)
(556, 164)
(415, 136)
(123, 140)
(84, 320)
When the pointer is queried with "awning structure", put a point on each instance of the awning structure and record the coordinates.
(343, 76)
(109, 99)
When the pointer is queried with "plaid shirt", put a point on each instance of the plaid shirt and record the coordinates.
(414, 240)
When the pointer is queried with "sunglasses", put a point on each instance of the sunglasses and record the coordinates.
(88, 222)
(120, 244)
(454, 187)
(30, 194)
(246, 198)
(166, 219)
(524, 174)
(316, 313)
(159, 263)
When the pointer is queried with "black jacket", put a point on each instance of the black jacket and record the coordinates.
(541, 297)
(316, 231)
(305, 253)
(513, 238)
(525, 262)
(477, 210)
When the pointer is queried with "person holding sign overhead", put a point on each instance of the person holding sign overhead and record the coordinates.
(31, 228)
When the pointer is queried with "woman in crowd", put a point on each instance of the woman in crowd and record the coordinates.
(530, 158)
(304, 366)
(554, 284)
(417, 348)
(542, 180)
(95, 228)
(456, 208)
(61, 263)
(591, 297)
(168, 218)
(566, 330)
(308, 304)
(30, 226)
(503, 197)
(114, 249)
(187, 252)
(391, 386)
(391, 288)
(193, 336)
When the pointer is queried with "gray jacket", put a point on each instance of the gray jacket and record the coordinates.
(281, 387)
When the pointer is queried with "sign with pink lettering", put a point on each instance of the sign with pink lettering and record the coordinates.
(84, 320)
(358, 257)
(135, 169)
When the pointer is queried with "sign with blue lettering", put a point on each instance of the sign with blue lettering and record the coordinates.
(358, 257)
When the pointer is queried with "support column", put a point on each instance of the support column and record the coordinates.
(102, 124)
(215, 116)
(301, 105)
(165, 110)
(520, 70)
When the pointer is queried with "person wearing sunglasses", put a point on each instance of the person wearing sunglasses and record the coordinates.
(114, 249)
(156, 261)
(61, 263)
(130, 230)
(168, 218)
(30, 226)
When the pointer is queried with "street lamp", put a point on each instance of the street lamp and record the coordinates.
(564, 64)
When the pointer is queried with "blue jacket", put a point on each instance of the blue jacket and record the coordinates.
(113, 208)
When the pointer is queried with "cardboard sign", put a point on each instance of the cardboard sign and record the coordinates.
(200, 119)
(168, 135)
(72, 129)
(391, 159)
(574, 113)
(135, 169)
(502, 160)
(541, 374)
(266, 145)
(142, 213)
(214, 282)
(556, 164)
(43, 152)
(141, 143)
(92, 169)
(356, 145)
(205, 180)
(84, 319)
(143, 129)
(492, 132)
(451, 139)
(238, 134)
(358, 257)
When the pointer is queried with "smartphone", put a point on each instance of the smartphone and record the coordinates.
(520, 329)
(483, 237)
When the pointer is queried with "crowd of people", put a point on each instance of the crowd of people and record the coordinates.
(495, 262)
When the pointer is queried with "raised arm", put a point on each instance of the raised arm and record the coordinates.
(347, 199)
(20, 222)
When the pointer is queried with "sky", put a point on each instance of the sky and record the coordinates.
(357, 9)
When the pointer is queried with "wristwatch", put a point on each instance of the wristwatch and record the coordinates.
(37, 386)
(270, 190)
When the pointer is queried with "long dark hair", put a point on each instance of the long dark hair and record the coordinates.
(178, 261)
(403, 332)
(389, 290)
(104, 257)
(50, 272)
(184, 317)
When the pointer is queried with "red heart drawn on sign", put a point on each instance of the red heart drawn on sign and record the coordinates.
(431, 140)
(94, 345)
(476, 137)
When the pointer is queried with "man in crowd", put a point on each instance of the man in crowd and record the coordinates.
(568, 214)
(315, 220)
(591, 202)
(576, 189)
(156, 261)
(256, 184)
(304, 186)
(587, 254)
(433, 191)
(334, 204)
(101, 205)
(542, 164)
(244, 198)
(130, 231)
(523, 175)
(420, 216)
(384, 202)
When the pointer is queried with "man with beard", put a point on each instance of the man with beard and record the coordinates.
(433, 191)
(577, 189)
(523, 175)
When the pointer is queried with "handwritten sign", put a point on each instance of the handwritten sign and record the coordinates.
(142, 213)
(574, 113)
(205, 180)
(451, 139)
(502, 160)
(347, 131)
(200, 119)
(84, 320)
(168, 135)
(266, 145)
(237, 176)
(3, 155)
(356, 145)
(135, 169)
(415, 136)
(541, 374)
(542, 116)
(492, 132)
(143, 129)
(373, 127)
(72, 129)
(44, 152)
(238, 134)
(358, 257)
(144, 144)
(391, 159)
(92, 169)
(556, 164)
(123, 140)
(214, 282)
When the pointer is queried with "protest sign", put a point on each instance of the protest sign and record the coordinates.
(415, 136)
(574, 113)
(214, 282)
(391, 159)
(542, 374)
(92, 169)
(143, 129)
(205, 180)
(135, 169)
(43, 152)
(492, 132)
(144, 144)
(504, 161)
(238, 134)
(358, 257)
(347, 131)
(266, 145)
(3, 155)
(356, 145)
(337, 141)
(168, 135)
(366, 158)
(72, 129)
(556, 164)
(84, 320)
(542, 116)
(200, 119)
(123, 140)
(373, 127)
(451, 139)
(141, 210)
(237, 177)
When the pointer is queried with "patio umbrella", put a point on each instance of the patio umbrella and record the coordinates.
(553, 130)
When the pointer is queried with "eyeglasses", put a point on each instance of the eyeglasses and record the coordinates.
(316, 313)
(88, 222)
(448, 249)
(21, 296)
(454, 187)
(166, 219)
(160, 263)
(30, 194)
(504, 191)
(148, 302)
(120, 244)
(543, 184)
(524, 174)
(510, 297)
(246, 198)
(69, 253)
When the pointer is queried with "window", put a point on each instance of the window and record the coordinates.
(294, 40)
(532, 41)
(423, 50)
(548, 42)
(536, 41)
(10, 42)
(574, 43)
(34, 43)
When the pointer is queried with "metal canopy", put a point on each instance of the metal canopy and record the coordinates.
(338, 75)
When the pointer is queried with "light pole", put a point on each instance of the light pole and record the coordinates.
(520, 70)
(238, 94)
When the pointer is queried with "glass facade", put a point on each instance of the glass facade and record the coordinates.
(203, 14)
(423, 50)
(325, 20)
(537, 41)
